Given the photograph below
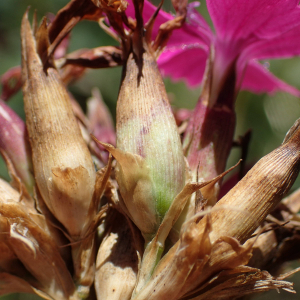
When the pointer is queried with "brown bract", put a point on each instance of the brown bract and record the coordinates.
(29, 251)
(117, 259)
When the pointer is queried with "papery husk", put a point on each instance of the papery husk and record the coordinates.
(9, 262)
(187, 271)
(84, 250)
(64, 171)
(281, 241)
(11, 284)
(154, 249)
(28, 248)
(117, 259)
(213, 244)
(264, 249)
(242, 281)
(36, 250)
(259, 191)
(63, 167)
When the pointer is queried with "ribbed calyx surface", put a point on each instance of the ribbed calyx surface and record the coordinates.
(146, 127)
(246, 205)
(63, 167)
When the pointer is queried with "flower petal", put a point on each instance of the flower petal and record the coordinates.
(194, 30)
(285, 45)
(258, 79)
(186, 63)
(240, 19)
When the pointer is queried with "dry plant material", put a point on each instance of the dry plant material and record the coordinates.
(133, 214)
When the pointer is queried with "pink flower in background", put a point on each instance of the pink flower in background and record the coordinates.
(188, 46)
(245, 32)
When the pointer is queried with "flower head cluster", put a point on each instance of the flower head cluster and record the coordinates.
(132, 213)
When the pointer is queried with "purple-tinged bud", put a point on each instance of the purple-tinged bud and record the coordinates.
(208, 137)
(146, 130)
(14, 144)
(11, 82)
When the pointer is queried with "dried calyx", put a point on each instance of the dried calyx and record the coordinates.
(67, 185)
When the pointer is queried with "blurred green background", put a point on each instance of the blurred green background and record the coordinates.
(269, 117)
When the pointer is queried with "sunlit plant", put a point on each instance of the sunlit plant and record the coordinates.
(135, 213)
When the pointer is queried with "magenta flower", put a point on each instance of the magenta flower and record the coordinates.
(245, 32)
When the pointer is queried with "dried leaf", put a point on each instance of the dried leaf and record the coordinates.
(37, 251)
(117, 260)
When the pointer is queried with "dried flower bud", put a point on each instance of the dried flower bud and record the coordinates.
(152, 177)
(101, 122)
(256, 195)
(64, 171)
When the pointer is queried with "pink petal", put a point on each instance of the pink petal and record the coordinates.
(285, 17)
(184, 63)
(258, 79)
(194, 30)
(285, 45)
(245, 20)
(187, 50)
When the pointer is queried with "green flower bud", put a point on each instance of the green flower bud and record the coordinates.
(146, 131)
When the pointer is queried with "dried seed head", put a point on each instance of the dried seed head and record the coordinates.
(64, 171)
